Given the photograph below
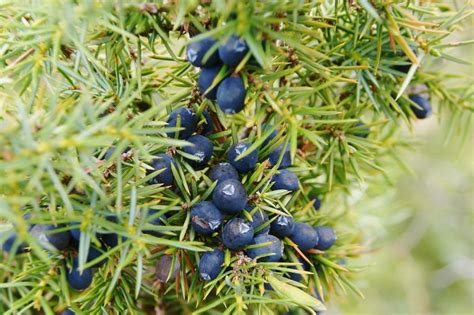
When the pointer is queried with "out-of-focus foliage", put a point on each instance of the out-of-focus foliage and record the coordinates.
(423, 259)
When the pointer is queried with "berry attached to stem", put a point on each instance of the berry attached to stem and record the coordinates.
(211, 264)
(230, 196)
(237, 233)
(205, 217)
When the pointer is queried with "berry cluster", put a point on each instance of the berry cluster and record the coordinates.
(230, 215)
(65, 238)
(258, 236)
(214, 83)
(254, 232)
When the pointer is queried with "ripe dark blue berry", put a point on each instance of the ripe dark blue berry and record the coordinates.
(296, 276)
(285, 179)
(423, 109)
(272, 135)
(197, 53)
(404, 64)
(68, 311)
(153, 219)
(275, 248)
(94, 253)
(207, 125)
(237, 233)
(78, 280)
(187, 122)
(304, 235)
(275, 155)
(326, 237)
(223, 171)
(206, 78)
(211, 264)
(229, 196)
(76, 232)
(163, 268)
(361, 131)
(316, 203)
(282, 226)
(259, 218)
(111, 239)
(205, 217)
(231, 95)
(233, 51)
(245, 164)
(60, 240)
(8, 245)
(403, 67)
(201, 149)
(163, 162)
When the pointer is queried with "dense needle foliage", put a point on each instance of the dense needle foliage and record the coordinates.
(86, 89)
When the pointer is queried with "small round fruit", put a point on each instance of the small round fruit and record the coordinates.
(282, 226)
(229, 196)
(237, 233)
(207, 126)
(205, 217)
(316, 203)
(273, 134)
(201, 149)
(187, 122)
(94, 253)
(68, 311)
(38, 232)
(403, 67)
(423, 109)
(8, 245)
(275, 248)
(361, 131)
(275, 155)
(245, 164)
(205, 80)
(76, 232)
(163, 268)
(304, 236)
(233, 51)
(211, 264)
(231, 95)
(60, 240)
(404, 64)
(223, 171)
(163, 162)
(78, 280)
(197, 51)
(326, 237)
(295, 276)
(155, 221)
(259, 218)
(111, 239)
(285, 179)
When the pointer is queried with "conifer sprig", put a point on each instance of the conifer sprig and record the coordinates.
(80, 78)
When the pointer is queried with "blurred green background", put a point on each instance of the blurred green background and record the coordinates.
(423, 242)
(423, 259)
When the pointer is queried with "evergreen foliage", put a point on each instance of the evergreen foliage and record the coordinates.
(87, 89)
